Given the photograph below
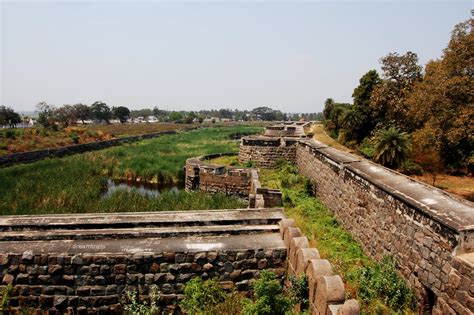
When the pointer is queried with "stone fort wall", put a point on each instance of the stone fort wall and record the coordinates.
(428, 232)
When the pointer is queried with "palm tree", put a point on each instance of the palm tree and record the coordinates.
(352, 119)
(392, 147)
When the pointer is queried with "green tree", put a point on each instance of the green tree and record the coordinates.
(328, 107)
(392, 147)
(82, 112)
(122, 113)
(362, 95)
(64, 115)
(388, 100)
(45, 114)
(9, 117)
(101, 111)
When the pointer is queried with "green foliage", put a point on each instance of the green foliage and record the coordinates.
(35, 188)
(324, 232)
(409, 167)
(122, 113)
(132, 305)
(74, 137)
(269, 297)
(367, 148)
(10, 134)
(100, 111)
(299, 290)
(5, 295)
(392, 147)
(202, 297)
(381, 281)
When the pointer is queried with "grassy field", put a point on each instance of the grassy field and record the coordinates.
(75, 184)
(28, 139)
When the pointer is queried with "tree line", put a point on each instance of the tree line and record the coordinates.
(65, 115)
(411, 118)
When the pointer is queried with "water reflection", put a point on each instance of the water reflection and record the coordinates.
(144, 189)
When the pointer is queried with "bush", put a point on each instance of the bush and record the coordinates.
(381, 281)
(299, 290)
(269, 297)
(411, 168)
(202, 297)
(10, 134)
(132, 306)
(74, 137)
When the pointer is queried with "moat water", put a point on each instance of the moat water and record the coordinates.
(144, 189)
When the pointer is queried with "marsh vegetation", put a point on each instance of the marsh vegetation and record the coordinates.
(76, 184)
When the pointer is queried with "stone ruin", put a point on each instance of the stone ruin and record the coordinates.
(83, 263)
(429, 233)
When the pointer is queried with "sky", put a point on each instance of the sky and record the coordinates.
(287, 55)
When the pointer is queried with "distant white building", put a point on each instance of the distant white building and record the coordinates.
(152, 119)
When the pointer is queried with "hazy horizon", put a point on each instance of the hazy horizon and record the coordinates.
(289, 56)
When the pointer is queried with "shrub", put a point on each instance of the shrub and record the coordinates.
(309, 187)
(132, 306)
(381, 281)
(202, 297)
(74, 137)
(269, 297)
(10, 134)
(299, 290)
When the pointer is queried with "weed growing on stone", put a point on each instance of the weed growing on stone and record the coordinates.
(132, 306)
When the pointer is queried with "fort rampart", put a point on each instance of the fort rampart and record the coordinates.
(429, 233)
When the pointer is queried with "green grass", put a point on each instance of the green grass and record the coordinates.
(378, 292)
(74, 184)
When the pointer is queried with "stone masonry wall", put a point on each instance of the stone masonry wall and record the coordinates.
(386, 226)
(434, 252)
(85, 284)
(265, 151)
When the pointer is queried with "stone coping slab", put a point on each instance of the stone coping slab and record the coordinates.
(162, 218)
(147, 245)
(453, 212)
(139, 232)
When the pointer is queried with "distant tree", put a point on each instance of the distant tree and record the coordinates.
(362, 95)
(264, 113)
(82, 112)
(9, 117)
(144, 112)
(176, 117)
(352, 121)
(65, 115)
(392, 147)
(388, 100)
(45, 114)
(226, 113)
(101, 111)
(328, 107)
(122, 113)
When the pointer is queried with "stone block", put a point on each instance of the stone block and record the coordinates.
(330, 290)
(289, 234)
(350, 307)
(303, 256)
(295, 244)
(284, 224)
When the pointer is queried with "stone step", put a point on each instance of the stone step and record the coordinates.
(135, 233)
(263, 241)
(142, 219)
